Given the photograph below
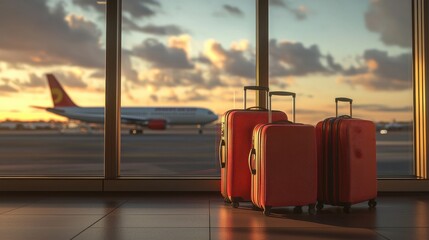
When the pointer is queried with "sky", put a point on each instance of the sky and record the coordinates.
(202, 53)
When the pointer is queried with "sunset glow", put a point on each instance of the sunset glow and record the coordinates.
(202, 53)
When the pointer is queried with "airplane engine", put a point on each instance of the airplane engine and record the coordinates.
(157, 124)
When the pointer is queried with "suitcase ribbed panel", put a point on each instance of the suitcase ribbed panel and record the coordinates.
(286, 165)
(346, 161)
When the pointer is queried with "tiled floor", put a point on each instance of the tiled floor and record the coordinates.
(200, 216)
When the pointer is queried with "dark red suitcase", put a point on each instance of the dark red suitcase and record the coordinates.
(283, 163)
(347, 170)
(236, 140)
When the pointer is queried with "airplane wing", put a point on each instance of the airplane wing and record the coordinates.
(38, 107)
(156, 124)
(127, 119)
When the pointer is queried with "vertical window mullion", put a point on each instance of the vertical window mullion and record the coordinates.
(112, 112)
(262, 50)
(420, 36)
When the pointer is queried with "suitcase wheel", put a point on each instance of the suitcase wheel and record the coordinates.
(297, 209)
(254, 207)
(372, 203)
(347, 208)
(319, 206)
(227, 201)
(235, 204)
(312, 209)
(267, 210)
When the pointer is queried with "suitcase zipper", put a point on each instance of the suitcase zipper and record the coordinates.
(337, 169)
(323, 172)
(224, 136)
(339, 153)
(258, 165)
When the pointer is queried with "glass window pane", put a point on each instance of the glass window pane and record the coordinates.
(184, 63)
(357, 49)
(42, 131)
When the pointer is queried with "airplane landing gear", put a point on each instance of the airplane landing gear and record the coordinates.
(136, 131)
(200, 129)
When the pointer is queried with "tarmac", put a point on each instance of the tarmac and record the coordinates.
(180, 152)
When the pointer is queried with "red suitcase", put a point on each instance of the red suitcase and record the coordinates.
(347, 169)
(235, 142)
(283, 163)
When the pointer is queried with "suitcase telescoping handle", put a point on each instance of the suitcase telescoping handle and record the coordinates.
(281, 93)
(343, 99)
(256, 88)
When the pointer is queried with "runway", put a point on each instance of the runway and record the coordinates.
(173, 153)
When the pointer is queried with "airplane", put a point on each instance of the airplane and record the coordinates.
(394, 126)
(154, 118)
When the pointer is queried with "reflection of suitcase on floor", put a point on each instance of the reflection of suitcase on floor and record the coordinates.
(347, 171)
(236, 139)
(283, 163)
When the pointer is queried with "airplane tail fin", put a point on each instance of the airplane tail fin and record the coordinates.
(59, 96)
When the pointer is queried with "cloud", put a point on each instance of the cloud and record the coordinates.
(172, 97)
(70, 79)
(232, 10)
(202, 59)
(5, 88)
(392, 20)
(382, 108)
(312, 112)
(165, 30)
(162, 30)
(378, 72)
(140, 8)
(170, 66)
(300, 12)
(35, 82)
(161, 56)
(235, 61)
(153, 97)
(279, 3)
(38, 35)
(98, 74)
(381, 71)
(194, 95)
(294, 59)
(134, 8)
(188, 96)
(127, 69)
(183, 78)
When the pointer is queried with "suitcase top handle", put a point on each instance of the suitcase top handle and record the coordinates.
(256, 88)
(343, 99)
(281, 93)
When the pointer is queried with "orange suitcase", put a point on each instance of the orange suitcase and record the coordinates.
(283, 163)
(235, 142)
(347, 169)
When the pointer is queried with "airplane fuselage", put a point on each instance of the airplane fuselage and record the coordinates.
(141, 115)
